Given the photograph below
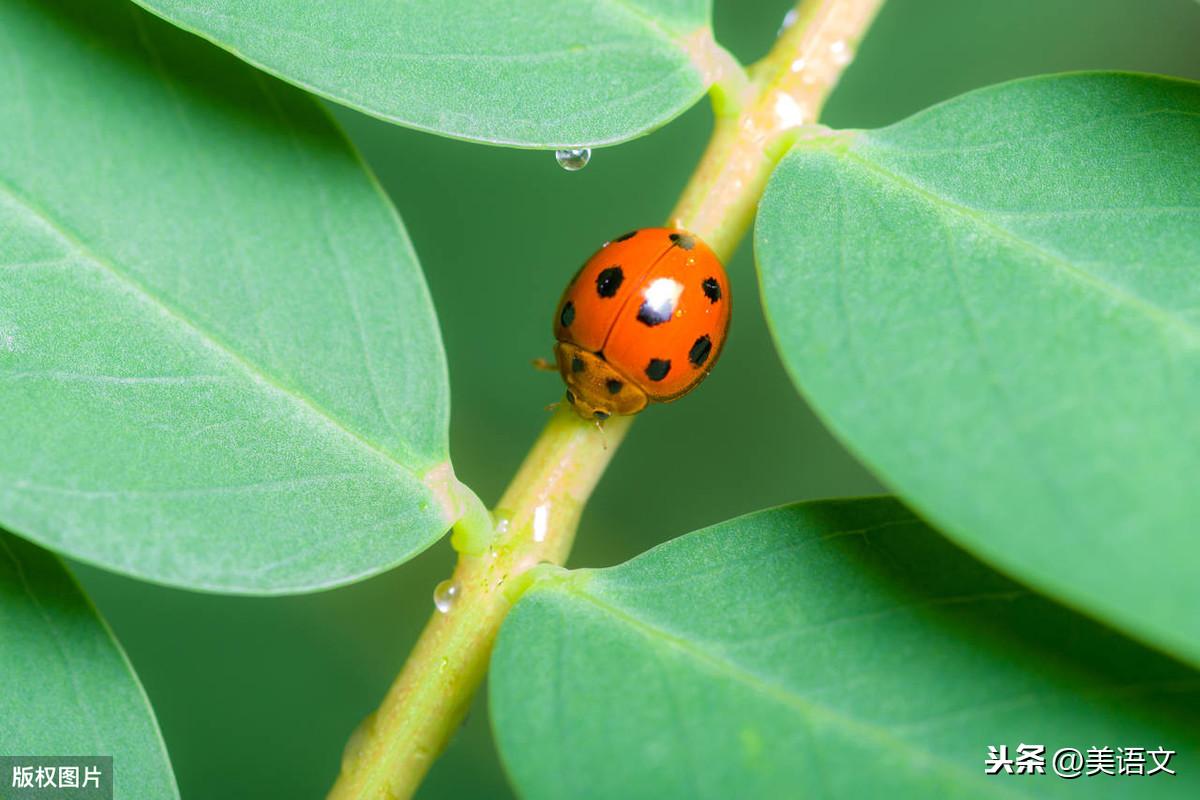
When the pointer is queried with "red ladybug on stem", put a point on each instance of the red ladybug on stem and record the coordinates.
(643, 321)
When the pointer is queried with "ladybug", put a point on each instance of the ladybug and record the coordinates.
(643, 320)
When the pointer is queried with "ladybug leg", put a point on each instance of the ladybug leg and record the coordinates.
(545, 365)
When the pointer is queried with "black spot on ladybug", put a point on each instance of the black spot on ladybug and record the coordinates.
(600, 415)
(609, 281)
(712, 289)
(614, 386)
(576, 364)
(684, 240)
(658, 368)
(570, 397)
(700, 351)
(568, 314)
(629, 235)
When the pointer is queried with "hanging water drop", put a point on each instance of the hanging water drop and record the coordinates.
(789, 19)
(574, 159)
(445, 595)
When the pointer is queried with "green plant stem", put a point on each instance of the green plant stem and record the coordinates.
(758, 120)
(535, 523)
(758, 116)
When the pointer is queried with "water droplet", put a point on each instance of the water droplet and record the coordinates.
(574, 159)
(541, 522)
(841, 53)
(501, 521)
(788, 111)
(789, 19)
(445, 595)
(798, 65)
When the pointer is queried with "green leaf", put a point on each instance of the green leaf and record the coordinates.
(996, 305)
(219, 364)
(530, 73)
(819, 650)
(68, 688)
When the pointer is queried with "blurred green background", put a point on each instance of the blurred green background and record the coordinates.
(257, 696)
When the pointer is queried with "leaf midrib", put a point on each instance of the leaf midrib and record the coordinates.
(125, 665)
(941, 203)
(56, 637)
(206, 338)
(739, 674)
(669, 34)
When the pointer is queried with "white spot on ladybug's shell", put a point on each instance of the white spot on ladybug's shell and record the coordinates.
(660, 300)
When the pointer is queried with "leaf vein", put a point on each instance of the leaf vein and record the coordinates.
(204, 337)
(739, 674)
(941, 203)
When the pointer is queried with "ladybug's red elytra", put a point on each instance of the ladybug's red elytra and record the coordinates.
(643, 321)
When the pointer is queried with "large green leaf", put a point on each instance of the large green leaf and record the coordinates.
(219, 365)
(530, 73)
(996, 304)
(68, 688)
(820, 650)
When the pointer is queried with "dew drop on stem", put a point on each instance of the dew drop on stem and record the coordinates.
(841, 52)
(574, 159)
(445, 595)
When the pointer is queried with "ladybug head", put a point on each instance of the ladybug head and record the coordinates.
(594, 388)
